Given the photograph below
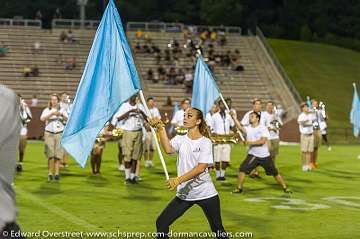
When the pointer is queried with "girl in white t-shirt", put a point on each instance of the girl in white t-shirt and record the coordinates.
(193, 183)
(258, 153)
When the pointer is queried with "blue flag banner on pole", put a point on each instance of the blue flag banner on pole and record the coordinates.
(109, 79)
(355, 113)
(205, 91)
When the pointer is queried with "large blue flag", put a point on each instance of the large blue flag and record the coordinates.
(109, 79)
(205, 91)
(355, 113)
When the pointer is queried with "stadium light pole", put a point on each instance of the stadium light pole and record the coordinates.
(82, 4)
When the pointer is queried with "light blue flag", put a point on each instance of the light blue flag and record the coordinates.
(205, 90)
(355, 113)
(109, 79)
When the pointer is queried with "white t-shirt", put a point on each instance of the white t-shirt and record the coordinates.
(190, 154)
(246, 119)
(55, 123)
(254, 134)
(306, 123)
(154, 112)
(208, 119)
(178, 118)
(220, 124)
(269, 118)
(134, 121)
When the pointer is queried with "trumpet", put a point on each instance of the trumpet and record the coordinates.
(232, 138)
(181, 130)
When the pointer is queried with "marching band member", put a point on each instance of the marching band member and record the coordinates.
(305, 121)
(272, 122)
(25, 117)
(118, 124)
(193, 183)
(178, 118)
(132, 145)
(257, 108)
(317, 119)
(229, 103)
(323, 125)
(97, 150)
(208, 117)
(221, 122)
(65, 106)
(149, 139)
(54, 118)
(258, 153)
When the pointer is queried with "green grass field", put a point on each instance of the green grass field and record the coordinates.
(81, 202)
(323, 72)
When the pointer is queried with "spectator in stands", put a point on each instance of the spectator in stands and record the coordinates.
(27, 71)
(71, 63)
(70, 37)
(63, 37)
(180, 76)
(188, 81)
(147, 38)
(167, 56)
(38, 15)
(150, 75)
(223, 40)
(139, 34)
(137, 47)
(57, 14)
(34, 101)
(157, 57)
(37, 46)
(3, 49)
(171, 76)
(162, 73)
(213, 36)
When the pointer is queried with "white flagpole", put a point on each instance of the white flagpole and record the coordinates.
(142, 98)
(228, 109)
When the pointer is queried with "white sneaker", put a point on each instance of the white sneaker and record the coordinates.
(151, 163)
(121, 167)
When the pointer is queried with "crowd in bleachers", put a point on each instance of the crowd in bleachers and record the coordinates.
(170, 70)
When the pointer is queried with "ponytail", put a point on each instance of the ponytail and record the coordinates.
(203, 127)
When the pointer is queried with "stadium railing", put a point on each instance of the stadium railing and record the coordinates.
(288, 82)
(74, 23)
(20, 22)
(177, 27)
(155, 26)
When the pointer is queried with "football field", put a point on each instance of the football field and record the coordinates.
(325, 203)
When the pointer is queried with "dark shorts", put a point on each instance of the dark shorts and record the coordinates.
(251, 162)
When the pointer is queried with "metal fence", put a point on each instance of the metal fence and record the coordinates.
(178, 27)
(74, 24)
(20, 22)
(288, 82)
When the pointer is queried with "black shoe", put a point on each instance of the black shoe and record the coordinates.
(19, 167)
(50, 178)
(218, 179)
(237, 190)
(128, 181)
(287, 190)
(223, 179)
(57, 177)
(133, 181)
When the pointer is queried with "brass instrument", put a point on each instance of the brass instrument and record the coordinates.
(181, 130)
(114, 134)
(232, 138)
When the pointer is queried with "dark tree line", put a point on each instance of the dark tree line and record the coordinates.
(333, 21)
